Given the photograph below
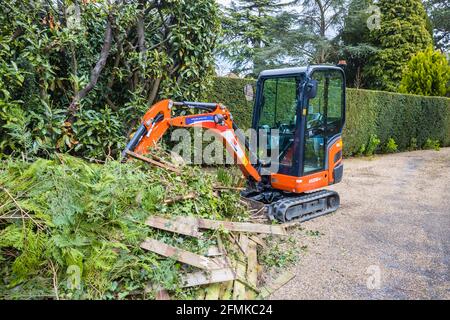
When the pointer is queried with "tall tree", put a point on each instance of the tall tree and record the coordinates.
(439, 11)
(402, 33)
(247, 27)
(355, 44)
(320, 20)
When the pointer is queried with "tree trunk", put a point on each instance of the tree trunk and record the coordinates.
(95, 73)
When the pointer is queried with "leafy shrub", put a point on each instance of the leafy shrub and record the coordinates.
(427, 73)
(49, 100)
(391, 146)
(432, 144)
(372, 145)
(413, 145)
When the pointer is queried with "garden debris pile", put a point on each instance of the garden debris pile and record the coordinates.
(70, 229)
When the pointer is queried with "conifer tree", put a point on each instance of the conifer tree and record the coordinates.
(427, 74)
(403, 32)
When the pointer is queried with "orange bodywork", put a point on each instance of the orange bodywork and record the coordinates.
(313, 181)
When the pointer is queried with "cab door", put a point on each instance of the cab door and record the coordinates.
(324, 119)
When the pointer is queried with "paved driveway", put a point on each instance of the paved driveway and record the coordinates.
(389, 240)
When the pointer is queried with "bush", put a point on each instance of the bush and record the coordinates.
(432, 144)
(427, 73)
(48, 59)
(230, 92)
(391, 146)
(408, 119)
(413, 145)
(89, 218)
(372, 146)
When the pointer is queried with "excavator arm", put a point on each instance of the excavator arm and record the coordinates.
(216, 118)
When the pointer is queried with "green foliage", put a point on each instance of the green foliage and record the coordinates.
(427, 74)
(403, 33)
(158, 50)
(230, 92)
(356, 44)
(390, 146)
(413, 145)
(281, 255)
(372, 145)
(432, 144)
(88, 219)
(371, 115)
(247, 26)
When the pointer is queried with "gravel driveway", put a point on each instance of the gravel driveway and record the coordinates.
(389, 240)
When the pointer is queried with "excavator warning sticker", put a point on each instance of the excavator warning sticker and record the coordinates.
(193, 120)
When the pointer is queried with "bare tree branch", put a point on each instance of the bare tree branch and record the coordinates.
(95, 73)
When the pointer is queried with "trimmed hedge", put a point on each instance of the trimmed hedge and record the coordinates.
(408, 119)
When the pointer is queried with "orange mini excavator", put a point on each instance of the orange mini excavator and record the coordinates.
(299, 114)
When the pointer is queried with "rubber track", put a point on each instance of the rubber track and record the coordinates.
(279, 209)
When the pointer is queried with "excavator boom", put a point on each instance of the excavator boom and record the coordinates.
(218, 119)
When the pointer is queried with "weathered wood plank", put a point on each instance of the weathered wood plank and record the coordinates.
(214, 251)
(244, 242)
(234, 226)
(162, 294)
(200, 294)
(239, 287)
(226, 290)
(173, 226)
(181, 255)
(252, 268)
(267, 290)
(213, 291)
(258, 241)
(153, 162)
(200, 278)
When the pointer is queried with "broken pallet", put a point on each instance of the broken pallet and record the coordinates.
(184, 256)
(233, 226)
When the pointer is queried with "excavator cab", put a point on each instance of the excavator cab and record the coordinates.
(298, 117)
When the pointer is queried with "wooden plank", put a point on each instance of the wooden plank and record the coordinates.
(214, 251)
(220, 244)
(173, 226)
(200, 294)
(162, 294)
(226, 290)
(213, 291)
(258, 240)
(234, 226)
(267, 290)
(180, 255)
(244, 242)
(221, 262)
(252, 268)
(153, 162)
(239, 287)
(200, 278)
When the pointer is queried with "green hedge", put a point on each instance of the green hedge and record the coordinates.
(408, 119)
